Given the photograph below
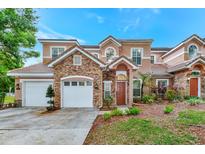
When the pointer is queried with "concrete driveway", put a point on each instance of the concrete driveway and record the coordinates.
(29, 126)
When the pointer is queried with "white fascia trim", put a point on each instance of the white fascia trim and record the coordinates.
(157, 80)
(123, 59)
(76, 76)
(53, 41)
(31, 74)
(194, 62)
(195, 38)
(91, 49)
(110, 39)
(174, 57)
(70, 52)
(182, 44)
(172, 50)
(22, 80)
(155, 51)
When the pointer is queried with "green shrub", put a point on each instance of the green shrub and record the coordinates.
(168, 109)
(108, 101)
(191, 117)
(132, 111)
(170, 94)
(116, 112)
(148, 99)
(106, 116)
(194, 100)
(136, 99)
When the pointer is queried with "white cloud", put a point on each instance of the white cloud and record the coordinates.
(155, 10)
(46, 32)
(132, 24)
(99, 18)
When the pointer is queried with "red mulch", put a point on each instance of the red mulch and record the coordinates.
(156, 111)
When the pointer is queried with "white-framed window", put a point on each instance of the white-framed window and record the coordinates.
(152, 59)
(96, 55)
(137, 88)
(56, 51)
(107, 88)
(136, 55)
(110, 53)
(77, 60)
(192, 50)
(162, 82)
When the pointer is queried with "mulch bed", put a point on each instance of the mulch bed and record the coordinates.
(156, 112)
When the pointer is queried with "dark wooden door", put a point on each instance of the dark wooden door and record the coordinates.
(121, 93)
(194, 87)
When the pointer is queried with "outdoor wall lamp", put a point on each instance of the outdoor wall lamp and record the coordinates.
(17, 86)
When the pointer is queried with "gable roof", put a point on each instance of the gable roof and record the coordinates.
(120, 59)
(186, 64)
(183, 42)
(33, 70)
(73, 50)
(110, 38)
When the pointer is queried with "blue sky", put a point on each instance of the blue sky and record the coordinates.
(166, 26)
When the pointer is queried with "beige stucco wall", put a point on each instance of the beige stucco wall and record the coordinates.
(47, 49)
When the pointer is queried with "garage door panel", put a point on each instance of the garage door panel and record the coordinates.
(77, 96)
(35, 93)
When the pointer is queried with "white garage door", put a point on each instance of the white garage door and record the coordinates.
(77, 93)
(35, 93)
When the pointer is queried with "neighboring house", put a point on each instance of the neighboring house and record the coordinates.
(82, 75)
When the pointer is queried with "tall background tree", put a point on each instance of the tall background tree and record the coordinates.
(17, 40)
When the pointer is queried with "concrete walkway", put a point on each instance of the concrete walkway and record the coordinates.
(29, 126)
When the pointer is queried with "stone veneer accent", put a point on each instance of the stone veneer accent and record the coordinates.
(110, 76)
(181, 79)
(88, 68)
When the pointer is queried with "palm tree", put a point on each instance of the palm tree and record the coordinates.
(145, 79)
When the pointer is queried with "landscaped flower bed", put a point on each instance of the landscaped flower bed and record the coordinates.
(151, 126)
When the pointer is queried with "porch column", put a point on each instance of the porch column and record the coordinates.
(130, 91)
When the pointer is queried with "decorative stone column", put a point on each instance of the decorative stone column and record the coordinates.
(130, 99)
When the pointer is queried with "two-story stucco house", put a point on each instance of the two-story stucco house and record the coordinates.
(82, 75)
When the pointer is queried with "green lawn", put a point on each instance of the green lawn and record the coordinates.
(9, 99)
(191, 117)
(138, 131)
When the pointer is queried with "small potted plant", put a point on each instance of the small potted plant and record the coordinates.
(50, 94)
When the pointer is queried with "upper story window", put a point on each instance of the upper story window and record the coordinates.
(96, 55)
(77, 60)
(192, 51)
(110, 53)
(137, 55)
(152, 59)
(56, 51)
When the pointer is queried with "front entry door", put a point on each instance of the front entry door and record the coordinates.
(194, 87)
(121, 93)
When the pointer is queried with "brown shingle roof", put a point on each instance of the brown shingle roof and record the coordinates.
(36, 68)
(184, 65)
(160, 70)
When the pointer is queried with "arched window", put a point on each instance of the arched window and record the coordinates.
(192, 51)
(110, 53)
